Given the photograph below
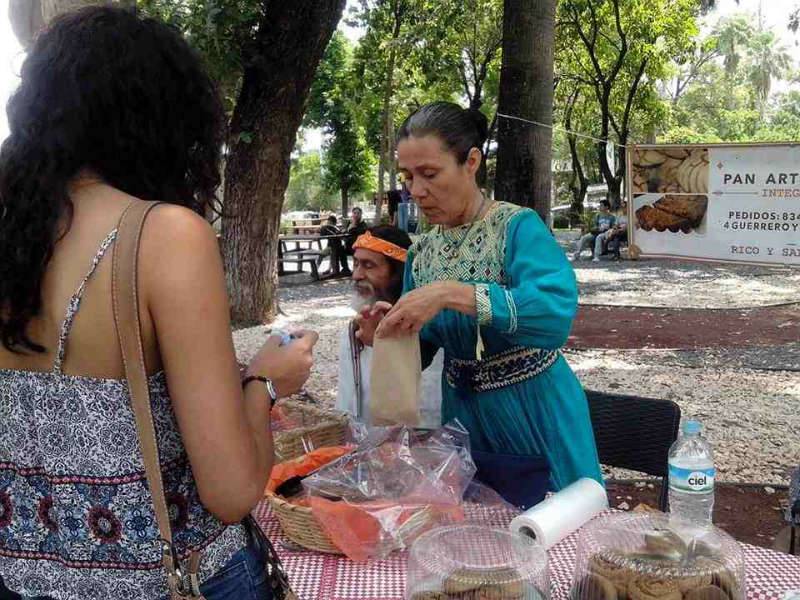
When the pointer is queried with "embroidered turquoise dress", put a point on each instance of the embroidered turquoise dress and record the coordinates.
(521, 398)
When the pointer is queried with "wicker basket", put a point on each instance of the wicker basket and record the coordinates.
(300, 526)
(319, 427)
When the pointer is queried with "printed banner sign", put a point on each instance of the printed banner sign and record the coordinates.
(718, 202)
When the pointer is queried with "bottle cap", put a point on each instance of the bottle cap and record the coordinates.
(691, 427)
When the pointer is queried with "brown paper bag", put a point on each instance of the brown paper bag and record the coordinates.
(395, 381)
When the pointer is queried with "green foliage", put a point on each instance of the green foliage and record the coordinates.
(732, 36)
(686, 135)
(650, 72)
(221, 30)
(463, 49)
(347, 164)
(727, 96)
(445, 50)
(769, 60)
(610, 56)
(307, 190)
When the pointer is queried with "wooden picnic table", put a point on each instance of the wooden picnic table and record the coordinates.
(304, 252)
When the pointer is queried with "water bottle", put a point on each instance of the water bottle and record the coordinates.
(691, 475)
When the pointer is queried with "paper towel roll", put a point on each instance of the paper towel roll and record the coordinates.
(556, 517)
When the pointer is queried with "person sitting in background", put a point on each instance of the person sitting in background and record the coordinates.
(380, 258)
(618, 234)
(603, 222)
(333, 250)
(357, 228)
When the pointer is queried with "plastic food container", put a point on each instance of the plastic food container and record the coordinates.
(656, 557)
(473, 562)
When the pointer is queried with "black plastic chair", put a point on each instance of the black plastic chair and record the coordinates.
(635, 433)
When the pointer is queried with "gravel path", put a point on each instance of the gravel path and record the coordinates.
(685, 285)
(751, 417)
(751, 414)
(682, 284)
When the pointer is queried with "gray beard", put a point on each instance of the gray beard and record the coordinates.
(359, 302)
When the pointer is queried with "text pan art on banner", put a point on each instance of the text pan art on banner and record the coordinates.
(718, 202)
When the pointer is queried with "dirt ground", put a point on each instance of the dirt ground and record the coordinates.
(751, 514)
(625, 327)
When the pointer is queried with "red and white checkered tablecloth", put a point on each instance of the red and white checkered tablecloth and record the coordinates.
(315, 576)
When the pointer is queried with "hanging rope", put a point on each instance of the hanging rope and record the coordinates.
(561, 129)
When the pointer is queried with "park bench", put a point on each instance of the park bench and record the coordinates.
(302, 252)
(299, 257)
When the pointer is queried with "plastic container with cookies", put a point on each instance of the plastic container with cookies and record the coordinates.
(474, 562)
(656, 557)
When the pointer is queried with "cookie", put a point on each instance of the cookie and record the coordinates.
(429, 595)
(619, 576)
(651, 588)
(686, 584)
(648, 158)
(675, 153)
(595, 587)
(720, 576)
(461, 581)
(724, 580)
(513, 590)
(707, 592)
(489, 584)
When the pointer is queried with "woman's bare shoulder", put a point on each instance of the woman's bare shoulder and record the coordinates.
(178, 243)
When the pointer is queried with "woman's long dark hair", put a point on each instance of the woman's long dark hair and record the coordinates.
(460, 129)
(123, 97)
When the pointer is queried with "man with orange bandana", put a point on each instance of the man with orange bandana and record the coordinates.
(379, 260)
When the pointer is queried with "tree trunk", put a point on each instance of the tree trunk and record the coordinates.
(524, 152)
(289, 45)
(345, 200)
(387, 124)
(392, 137)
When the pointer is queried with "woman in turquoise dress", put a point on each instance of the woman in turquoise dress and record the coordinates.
(491, 286)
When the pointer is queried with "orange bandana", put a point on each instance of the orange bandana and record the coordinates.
(376, 244)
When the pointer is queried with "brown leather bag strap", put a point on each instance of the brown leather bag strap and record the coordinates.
(125, 298)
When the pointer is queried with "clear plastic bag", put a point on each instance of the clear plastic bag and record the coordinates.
(282, 419)
(396, 485)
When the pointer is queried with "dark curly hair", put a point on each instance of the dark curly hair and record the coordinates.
(123, 97)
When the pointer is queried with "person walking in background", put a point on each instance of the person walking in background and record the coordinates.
(407, 218)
